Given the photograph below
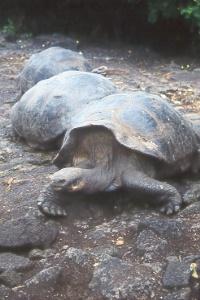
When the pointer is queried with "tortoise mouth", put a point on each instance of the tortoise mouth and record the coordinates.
(61, 185)
(76, 186)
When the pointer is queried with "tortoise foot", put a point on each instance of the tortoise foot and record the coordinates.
(49, 203)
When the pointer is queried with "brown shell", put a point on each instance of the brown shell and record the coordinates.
(140, 121)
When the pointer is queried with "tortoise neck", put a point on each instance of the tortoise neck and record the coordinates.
(98, 179)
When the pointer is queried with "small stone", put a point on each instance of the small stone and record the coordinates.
(78, 256)
(37, 254)
(148, 241)
(103, 251)
(177, 275)
(169, 228)
(172, 258)
(65, 247)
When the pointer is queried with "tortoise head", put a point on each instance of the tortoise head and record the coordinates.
(70, 179)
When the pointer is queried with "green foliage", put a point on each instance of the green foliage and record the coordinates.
(9, 28)
(192, 12)
(166, 9)
(172, 9)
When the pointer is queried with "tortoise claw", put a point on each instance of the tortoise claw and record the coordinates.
(51, 210)
(49, 203)
(176, 208)
(170, 208)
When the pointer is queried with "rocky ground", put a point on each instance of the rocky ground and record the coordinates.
(106, 248)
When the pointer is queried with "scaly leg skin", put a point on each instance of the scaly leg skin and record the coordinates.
(164, 193)
(49, 202)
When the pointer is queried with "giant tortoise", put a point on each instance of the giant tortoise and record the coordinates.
(48, 63)
(44, 112)
(131, 142)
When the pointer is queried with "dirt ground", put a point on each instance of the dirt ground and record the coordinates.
(23, 173)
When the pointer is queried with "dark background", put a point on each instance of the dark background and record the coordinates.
(102, 20)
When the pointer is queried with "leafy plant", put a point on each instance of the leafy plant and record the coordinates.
(9, 28)
(166, 9)
(172, 9)
(192, 12)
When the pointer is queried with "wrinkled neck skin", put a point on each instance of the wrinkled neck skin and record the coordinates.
(97, 179)
(95, 156)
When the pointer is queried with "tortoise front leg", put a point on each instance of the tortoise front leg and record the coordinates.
(142, 185)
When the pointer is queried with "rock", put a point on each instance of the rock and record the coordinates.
(191, 258)
(10, 261)
(192, 209)
(43, 285)
(118, 226)
(77, 269)
(177, 274)
(77, 266)
(168, 228)
(4, 292)
(99, 233)
(10, 278)
(47, 278)
(149, 242)
(48, 63)
(183, 294)
(191, 192)
(156, 267)
(27, 232)
(78, 256)
(37, 254)
(105, 250)
(115, 279)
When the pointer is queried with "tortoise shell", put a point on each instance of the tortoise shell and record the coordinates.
(140, 121)
(44, 112)
(48, 63)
